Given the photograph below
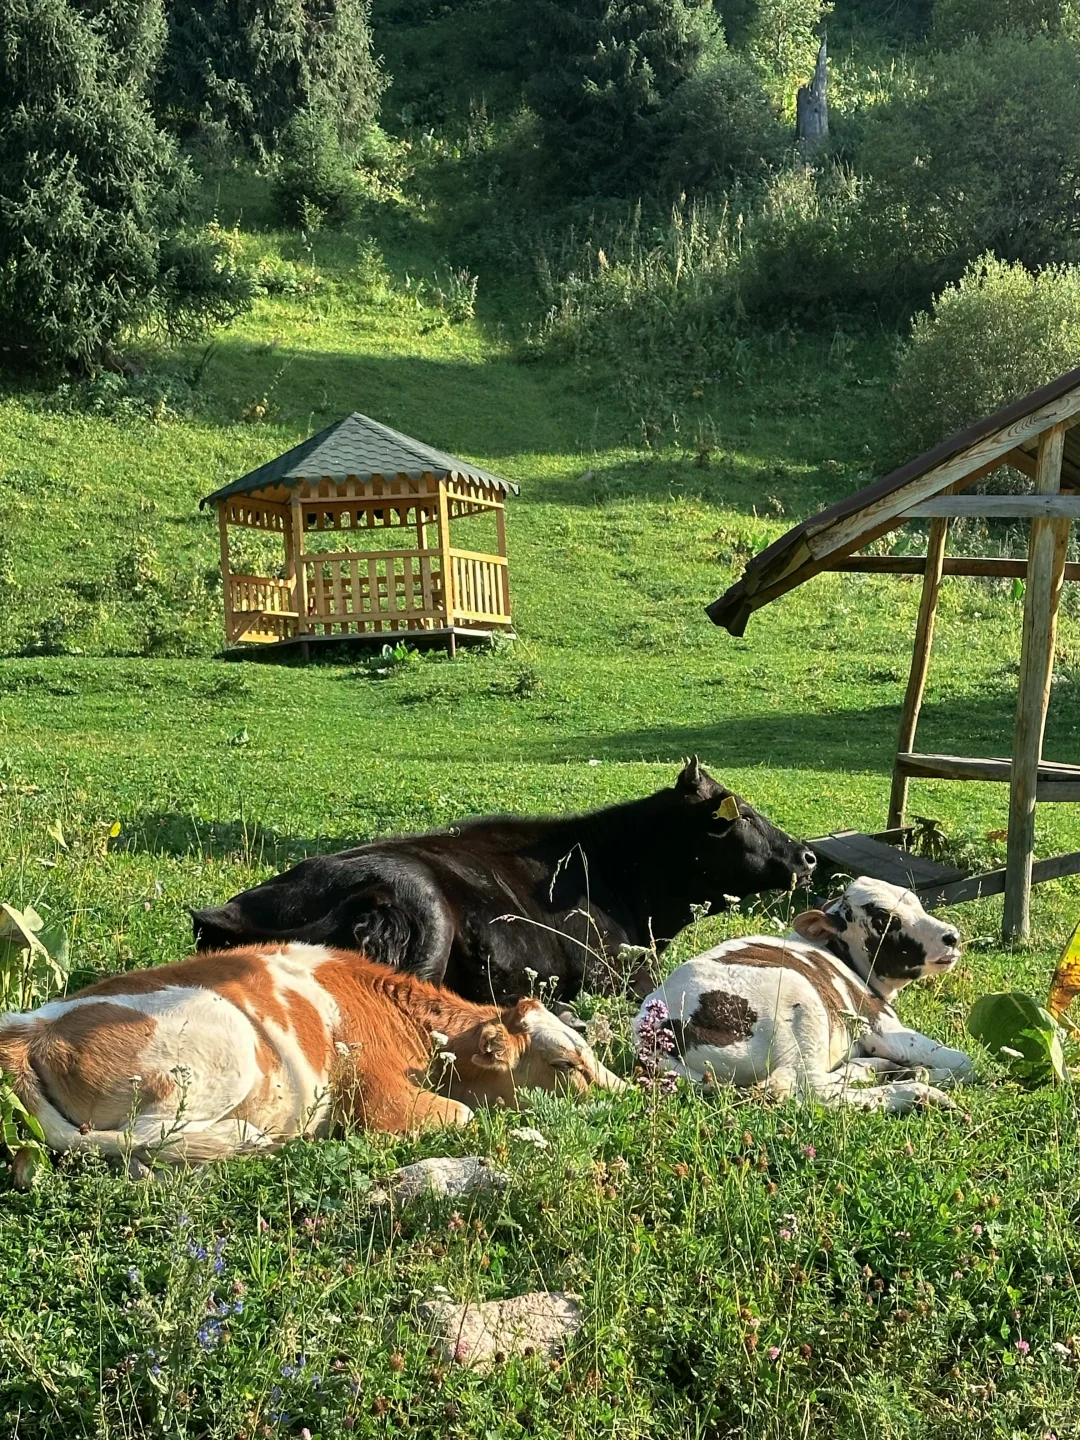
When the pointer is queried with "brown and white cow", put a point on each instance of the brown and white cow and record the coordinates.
(237, 1051)
(812, 1012)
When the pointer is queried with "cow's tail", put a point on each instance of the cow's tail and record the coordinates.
(146, 1138)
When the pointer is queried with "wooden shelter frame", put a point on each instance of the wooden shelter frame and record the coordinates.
(424, 589)
(1036, 436)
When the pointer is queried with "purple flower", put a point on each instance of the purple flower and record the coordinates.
(773, 1352)
(976, 1230)
(209, 1334)
(288, 1371)
(1022, 1346)
(809, 1151)
(133, 1274)
(238, 1307)
(195, 1250)
(155, 1370)
(784, 1234)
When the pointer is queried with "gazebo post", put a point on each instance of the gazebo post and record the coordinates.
(226, 577)
(920, 664)
(447, 565)
(1046, 569)
(500, 532)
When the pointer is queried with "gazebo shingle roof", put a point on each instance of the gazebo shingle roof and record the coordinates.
(357, 448)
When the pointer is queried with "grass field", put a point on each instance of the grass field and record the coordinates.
(925, 1287)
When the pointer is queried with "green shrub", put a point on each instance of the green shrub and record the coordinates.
(783, 40)
(979, 152)
(600, 74)
(316, 184)
(719, 127)
(91, 192)
(251, 67)
(959, 20)
(995, 335)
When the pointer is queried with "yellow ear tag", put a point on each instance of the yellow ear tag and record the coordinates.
(729, 810)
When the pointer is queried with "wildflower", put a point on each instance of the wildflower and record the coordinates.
(1022, 1347)
(785, 1234)
(155, 1370)
(809, 1151)
(439, 1040)
(598, 1031)
(976, 1230)
(397, 1362)
(183, 1221)
(264, 1225)
(209, 1334)
(133, 1274)
(773, 1352)
(909, 1149)
(196, 1251)
(456, 1223)
(305, 1434)
(461, 1351)
(1060, 1349)
(289, 1371)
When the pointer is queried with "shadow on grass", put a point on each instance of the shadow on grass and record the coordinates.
(170, 833)
(845, 740)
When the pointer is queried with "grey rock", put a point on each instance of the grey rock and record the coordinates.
(443, 1176)
(479, 1335)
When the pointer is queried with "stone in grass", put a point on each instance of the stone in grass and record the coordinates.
(479, 1335)
(442, 1176)
(528, 1136)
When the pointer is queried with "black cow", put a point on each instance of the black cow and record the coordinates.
(478, 906)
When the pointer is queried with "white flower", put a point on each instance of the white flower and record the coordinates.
(448, 1057)
(439, 1040)
(528, 1136)
(341, 1047)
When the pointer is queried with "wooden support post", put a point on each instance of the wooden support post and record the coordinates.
(920, 664)
(295, 568)
(446, 564)
(1046, 568)
(504, 570)
(226, 576)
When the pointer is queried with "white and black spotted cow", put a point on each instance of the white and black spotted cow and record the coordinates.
(811, 1012)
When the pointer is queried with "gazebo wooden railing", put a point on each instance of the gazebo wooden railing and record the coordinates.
(352, 480)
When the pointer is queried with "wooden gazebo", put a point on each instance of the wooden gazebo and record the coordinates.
(394, 572)
(1034, 436)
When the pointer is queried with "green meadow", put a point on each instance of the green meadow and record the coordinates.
(925, 1287)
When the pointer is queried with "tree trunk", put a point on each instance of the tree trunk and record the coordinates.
(812, 107)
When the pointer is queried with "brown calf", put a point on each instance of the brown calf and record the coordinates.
(237, 1051)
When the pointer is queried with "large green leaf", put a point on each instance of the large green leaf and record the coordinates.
(1019, 1031)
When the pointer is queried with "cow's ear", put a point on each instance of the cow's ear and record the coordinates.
(816, 925)
(493, 1047)
(515, 1018)
(692, 779)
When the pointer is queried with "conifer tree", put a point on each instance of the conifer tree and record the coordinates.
(91, 191)
(251, 65)
(601, 73)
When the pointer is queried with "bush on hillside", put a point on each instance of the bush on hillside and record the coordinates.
(252, 67)
(981, 152)
(997, 334)
(783, 40)
(600, 74)
(316, 185)
(719, 127)
(91, 192)
(959, 20)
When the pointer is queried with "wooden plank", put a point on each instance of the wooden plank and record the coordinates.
(860, 854)
(477, 555)
(373, 591)
(446, 564)
(992, 768)
(979, 459)
(500, 542)
(920, 664)
(976, 887)
(997, 507)
(989, 567)
(1057, 792)
(1046, 565)
(354, 575)
(226, 578)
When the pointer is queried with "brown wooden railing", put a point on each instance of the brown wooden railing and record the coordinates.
(358, 591)
(261, 609)
(481, 589)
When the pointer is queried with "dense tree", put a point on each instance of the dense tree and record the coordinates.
(981, 153)
(90, 190)
(958, 20)
(251, 65)
(601, 73)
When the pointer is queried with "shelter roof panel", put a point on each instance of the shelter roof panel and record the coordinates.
(863, 516)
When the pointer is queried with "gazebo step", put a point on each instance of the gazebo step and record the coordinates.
(859, 854)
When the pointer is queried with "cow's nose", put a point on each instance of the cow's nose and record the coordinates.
(951, 939)
(808, 860)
